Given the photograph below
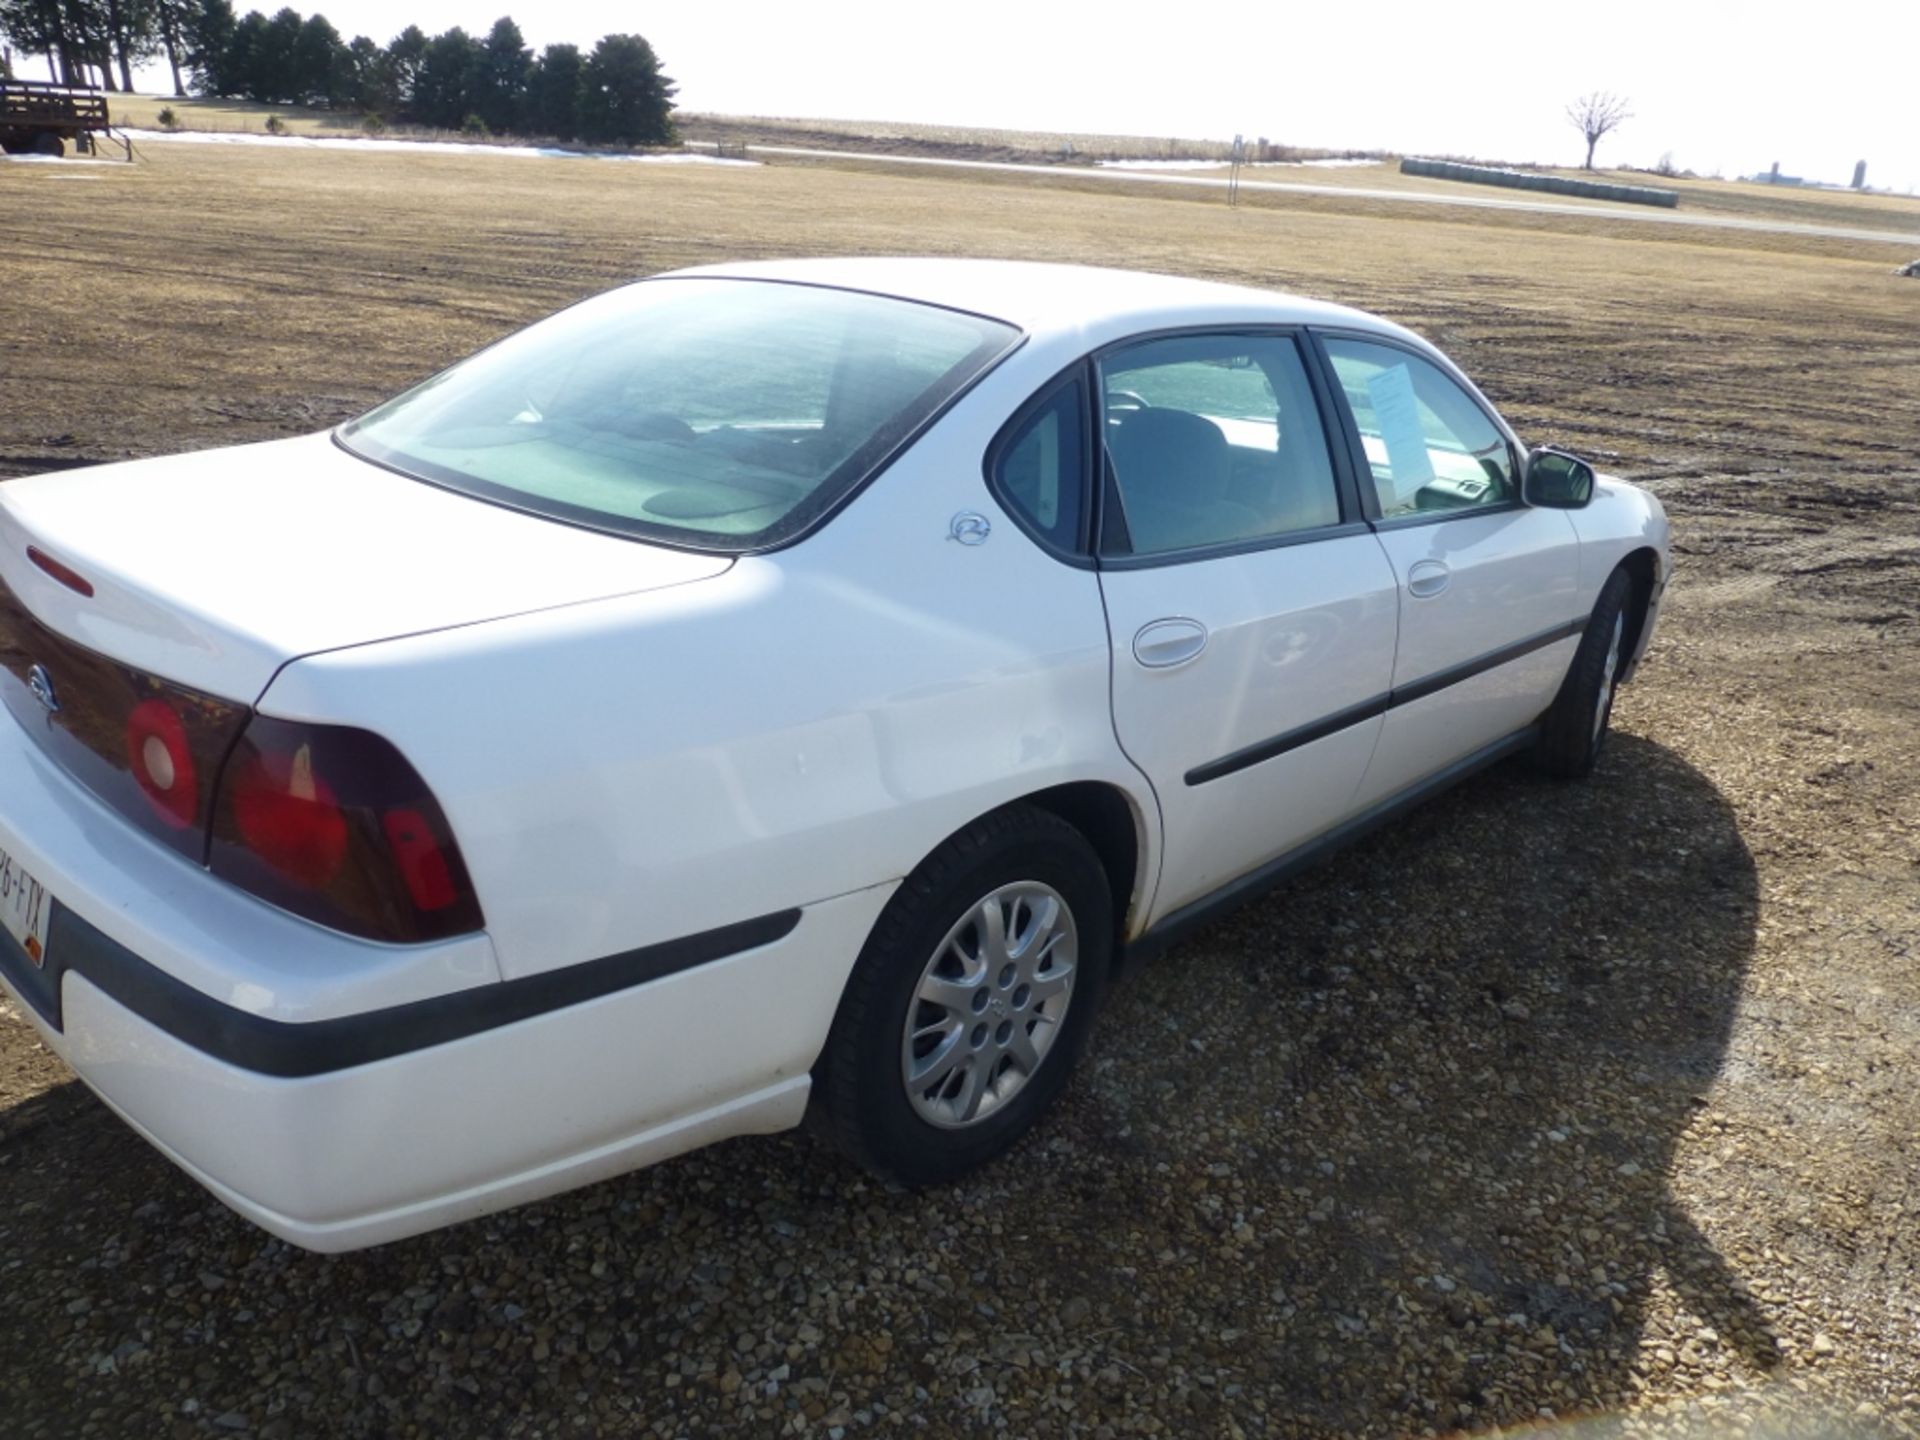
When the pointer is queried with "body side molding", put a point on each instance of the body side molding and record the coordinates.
(1368, 709)
(291, 1049)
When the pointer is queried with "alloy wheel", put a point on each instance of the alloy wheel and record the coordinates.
(1604, 704)
(989, 1004)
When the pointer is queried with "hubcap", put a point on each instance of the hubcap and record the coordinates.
(989, 1004)
(1605, 702)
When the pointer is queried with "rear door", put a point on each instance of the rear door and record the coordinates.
(1251, 610)
(1488, 586)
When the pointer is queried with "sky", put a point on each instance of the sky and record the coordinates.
(1721, 88)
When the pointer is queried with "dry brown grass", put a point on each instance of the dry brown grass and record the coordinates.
(1820, 207)
(142, 112)
(1085, 144)
(205, 286)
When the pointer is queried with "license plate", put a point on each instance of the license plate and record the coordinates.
(24, 907)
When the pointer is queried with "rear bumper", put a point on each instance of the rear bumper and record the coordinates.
(342, 1094)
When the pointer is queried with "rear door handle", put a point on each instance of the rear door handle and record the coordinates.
(1427, 578)
(1160, 644)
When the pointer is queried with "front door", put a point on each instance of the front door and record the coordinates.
(1487, 585)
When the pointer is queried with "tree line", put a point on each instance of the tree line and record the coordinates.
(615, 92)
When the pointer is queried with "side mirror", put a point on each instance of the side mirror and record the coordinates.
(1557, 480)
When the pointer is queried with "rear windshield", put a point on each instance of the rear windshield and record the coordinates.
(719, 414)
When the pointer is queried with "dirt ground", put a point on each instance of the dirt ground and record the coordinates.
(1586, 1106)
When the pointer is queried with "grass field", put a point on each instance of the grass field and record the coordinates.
(1897, 213)
(198, 113)
(142, 112)
(1627, 1066)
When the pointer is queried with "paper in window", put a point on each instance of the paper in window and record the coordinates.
(1397, 412)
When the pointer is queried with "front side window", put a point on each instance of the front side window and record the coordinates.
(1212, 439)
(721, 414)
(1430, 447)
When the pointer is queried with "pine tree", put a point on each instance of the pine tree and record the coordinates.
(319, 63)
(624, 98)
(209, 39)
(276, 67)
(443, 89)
(553, 92)
(501, 88)
(404, 55)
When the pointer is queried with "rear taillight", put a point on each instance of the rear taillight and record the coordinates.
(148, 748)
(421, 859)
(326, 821)
(333, 824)
(289, 817)
(160, 758)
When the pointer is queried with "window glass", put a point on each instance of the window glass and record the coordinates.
(1043, 467)
(721, 413)
(1429, 446)
(1214, 439)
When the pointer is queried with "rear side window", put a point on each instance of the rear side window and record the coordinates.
(1212, 440)
(722, 414)
(1042, 465)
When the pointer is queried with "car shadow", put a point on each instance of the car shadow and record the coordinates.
(1451, 1071)
(1387, 1150)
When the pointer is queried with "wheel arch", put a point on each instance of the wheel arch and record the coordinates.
(1115, 825)
(1643, 568)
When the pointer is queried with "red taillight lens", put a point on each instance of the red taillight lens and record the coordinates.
(288, 817)
(332, 823)
(161, 761)
(149, 749)
(423, 864)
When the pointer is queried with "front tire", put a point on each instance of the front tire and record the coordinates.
(971, 1000)
(1575, 727)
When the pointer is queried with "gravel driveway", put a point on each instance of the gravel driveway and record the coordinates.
(1451, 1133)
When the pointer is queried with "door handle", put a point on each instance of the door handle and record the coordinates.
(1427, 578)
(1160, 644)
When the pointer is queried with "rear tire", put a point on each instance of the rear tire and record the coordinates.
(1575, 728)
(48, 143)
(958, 1029)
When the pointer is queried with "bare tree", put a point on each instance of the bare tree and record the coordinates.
(1596, 115)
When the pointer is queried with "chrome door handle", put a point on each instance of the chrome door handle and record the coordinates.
(1427, 578)
(1160, 644)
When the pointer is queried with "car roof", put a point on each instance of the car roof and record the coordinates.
(1047, 298)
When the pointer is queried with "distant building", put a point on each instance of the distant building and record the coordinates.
(1772, 176)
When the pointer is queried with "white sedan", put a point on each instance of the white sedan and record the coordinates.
(758, 688)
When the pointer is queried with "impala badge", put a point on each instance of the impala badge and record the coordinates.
(970, 527)
(41, 684)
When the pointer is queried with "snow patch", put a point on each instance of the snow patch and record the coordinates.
(59, 160)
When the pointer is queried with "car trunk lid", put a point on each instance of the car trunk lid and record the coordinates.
(213, 570)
